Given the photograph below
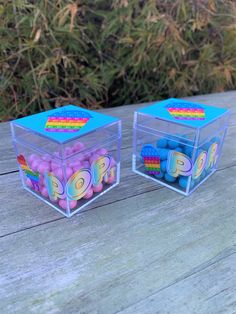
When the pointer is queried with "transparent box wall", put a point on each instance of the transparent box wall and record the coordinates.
(177, 156)
(69, 176)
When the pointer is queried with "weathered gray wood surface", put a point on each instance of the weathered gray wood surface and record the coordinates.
(139, 249)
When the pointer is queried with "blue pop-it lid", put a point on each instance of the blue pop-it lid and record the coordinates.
(184, 112)
(65, 123)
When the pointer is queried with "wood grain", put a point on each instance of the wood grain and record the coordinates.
(139, 249)
(112, 257)
(210, 290)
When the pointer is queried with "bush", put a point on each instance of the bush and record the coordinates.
(112, 52)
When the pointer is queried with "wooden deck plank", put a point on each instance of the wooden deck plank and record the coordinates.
(132, 252)
(212, 290)
(110, 258)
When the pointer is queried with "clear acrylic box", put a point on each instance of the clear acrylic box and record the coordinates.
(68, 156)
(178, 143)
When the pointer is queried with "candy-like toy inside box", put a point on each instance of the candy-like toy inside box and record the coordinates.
(178, 143)
(175, 163)
(85, 163)
(85, 175)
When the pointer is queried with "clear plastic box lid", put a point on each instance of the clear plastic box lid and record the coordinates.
(65, 123)
(184, 112)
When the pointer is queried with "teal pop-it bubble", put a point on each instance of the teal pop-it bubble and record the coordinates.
(162, 143)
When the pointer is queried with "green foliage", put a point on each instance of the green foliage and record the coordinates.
(112, 52)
